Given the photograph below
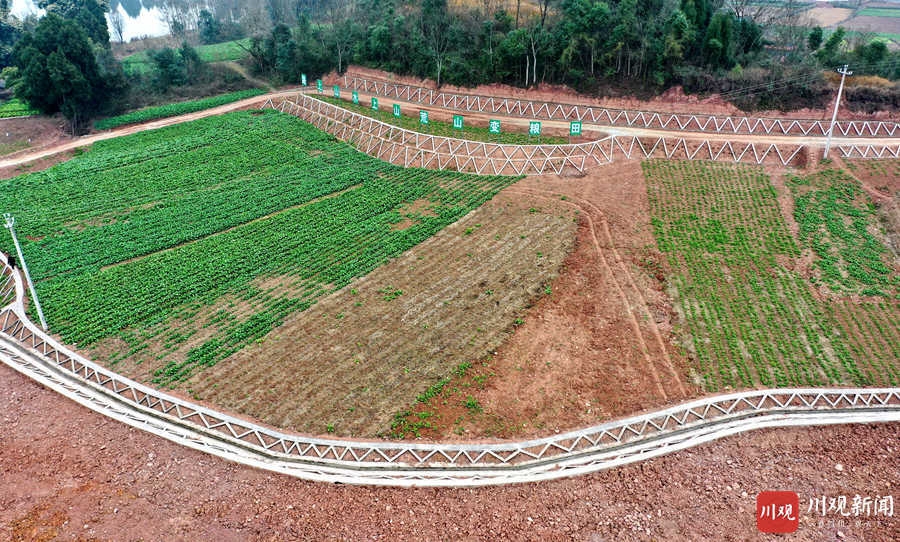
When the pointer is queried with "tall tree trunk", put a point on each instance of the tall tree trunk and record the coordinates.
(518, 3)
(527, 65)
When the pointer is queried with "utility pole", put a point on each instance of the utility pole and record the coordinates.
(844, 73)
(10, 225)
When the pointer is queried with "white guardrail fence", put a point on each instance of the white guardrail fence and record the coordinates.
(408, 148)
(681, 122)
(25, 348)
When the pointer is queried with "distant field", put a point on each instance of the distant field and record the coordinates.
(761, 306)
(829, 16)
(179, 247)
(219, 52)
(222, 52)
(879, 12)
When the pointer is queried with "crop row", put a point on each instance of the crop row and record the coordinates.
(175, 109)
(16, 108)
(749, 319)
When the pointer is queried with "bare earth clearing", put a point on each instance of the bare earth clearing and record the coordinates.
(829, 16)
(600, 346)
(69, 474)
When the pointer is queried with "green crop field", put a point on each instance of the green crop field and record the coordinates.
(175, 109)
(191, 242)
(385, 114)
(751, 313)
(16, 108)
(225, 51)
(879, 12)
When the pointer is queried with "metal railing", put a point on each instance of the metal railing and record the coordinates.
(682, 122)
(413, 149)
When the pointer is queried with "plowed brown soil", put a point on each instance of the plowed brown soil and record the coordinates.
(600, 346)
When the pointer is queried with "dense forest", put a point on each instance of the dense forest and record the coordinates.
(757, 55)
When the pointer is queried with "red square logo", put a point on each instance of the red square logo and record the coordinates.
(777, 511)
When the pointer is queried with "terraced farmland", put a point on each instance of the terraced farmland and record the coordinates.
(184, 245)
(750, 314)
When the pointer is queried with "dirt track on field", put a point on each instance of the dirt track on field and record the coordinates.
(67, 473)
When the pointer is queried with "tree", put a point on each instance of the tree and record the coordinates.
(117, 23)
(815, 38)
(436, 28)
(60, 72)
(89, 14)
(170, 69)
(209, 27)
(718, 48)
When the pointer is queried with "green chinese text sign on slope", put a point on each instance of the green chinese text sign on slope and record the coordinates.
(458, 122)
(303, 79)
(575, 128)
(337, 91)
(494, 126)
(397, 110)
(374, 104)
(423, 117)
(319, 85)
(355, 98)
(534, 128)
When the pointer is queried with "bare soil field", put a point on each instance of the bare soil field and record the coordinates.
(600, 346)
(67, 473)
(866, 23)
(829, 16)
(354, 359)
(20, 136)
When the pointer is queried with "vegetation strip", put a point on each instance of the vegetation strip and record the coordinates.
(175, 109)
